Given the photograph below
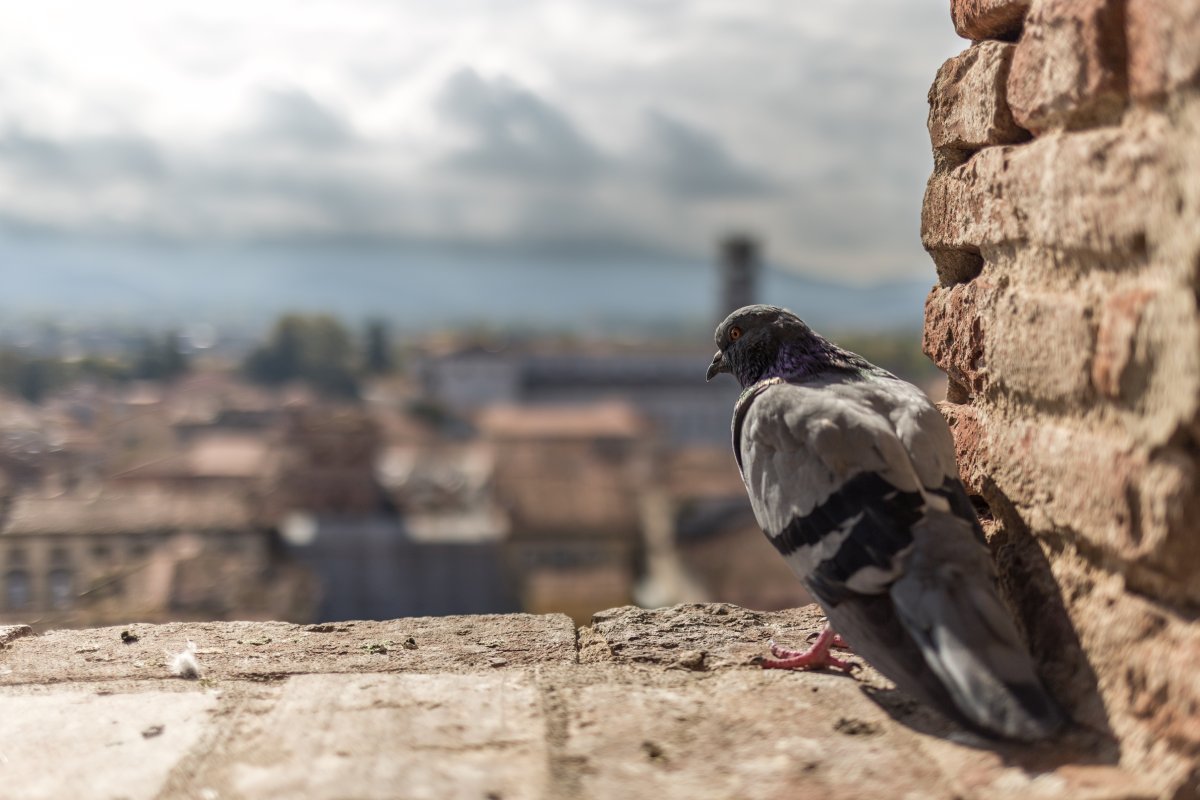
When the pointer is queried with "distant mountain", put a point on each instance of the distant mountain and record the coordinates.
(412, 287)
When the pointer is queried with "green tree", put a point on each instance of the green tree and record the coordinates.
(315, 349)
(31, 377)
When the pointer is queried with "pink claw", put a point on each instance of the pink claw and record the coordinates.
(814, 657)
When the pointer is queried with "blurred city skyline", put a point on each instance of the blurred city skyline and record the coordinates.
(364, 310)
(595, 132)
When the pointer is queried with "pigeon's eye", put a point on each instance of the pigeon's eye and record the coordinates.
(735, 333)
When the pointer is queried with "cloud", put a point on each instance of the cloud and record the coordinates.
(292, 116)
(512, 132)
(656, 125)
(84, 159)
(694, 164)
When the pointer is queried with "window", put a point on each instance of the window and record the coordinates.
(16, 556)
(16, 589)
(61, 594)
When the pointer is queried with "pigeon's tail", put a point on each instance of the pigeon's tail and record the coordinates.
(966, 636)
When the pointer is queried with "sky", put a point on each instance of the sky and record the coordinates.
(572, 126)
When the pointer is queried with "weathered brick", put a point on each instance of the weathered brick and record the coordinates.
(1167, 504)
(1160, 380)
(1115, 341)
(953, 337)
(964, 207)
(1100, 489)
(988, 19)
(970, 443)
(1069, 481)
(1142, 365)
(1147, 702)
(968, 109)
(1094, 191)
(1039, 345)
(1068, 70)
(1164, 46)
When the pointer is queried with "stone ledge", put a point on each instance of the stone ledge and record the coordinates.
(10, 632)
(665, 703)
(274, 650)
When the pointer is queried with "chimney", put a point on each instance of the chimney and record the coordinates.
(740, 268)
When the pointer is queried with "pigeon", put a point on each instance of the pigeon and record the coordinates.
(852, 476)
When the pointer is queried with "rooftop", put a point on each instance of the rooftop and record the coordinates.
(223, 455)
(607, 419)
(129, 512)
(663, 704)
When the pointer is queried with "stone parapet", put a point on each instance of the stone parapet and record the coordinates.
(666, 703)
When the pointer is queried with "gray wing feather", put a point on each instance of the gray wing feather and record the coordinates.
(926, 438)
(922, 430)
(948, 602)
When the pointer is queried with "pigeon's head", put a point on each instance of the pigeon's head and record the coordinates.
(750, 339)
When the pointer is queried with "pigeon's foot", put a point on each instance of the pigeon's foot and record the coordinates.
(814, 657)
(837, 642)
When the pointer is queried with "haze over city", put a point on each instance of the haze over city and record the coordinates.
(142, 142)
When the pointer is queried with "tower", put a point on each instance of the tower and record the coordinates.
(740, 268)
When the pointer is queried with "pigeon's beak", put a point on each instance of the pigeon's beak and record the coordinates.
(718, 365)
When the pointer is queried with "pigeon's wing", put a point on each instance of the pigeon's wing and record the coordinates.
(947, 598)
(832, 487)
(949, 606)
(922, 430)
(897, 569)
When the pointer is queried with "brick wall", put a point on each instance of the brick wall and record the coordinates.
(1063, 218)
